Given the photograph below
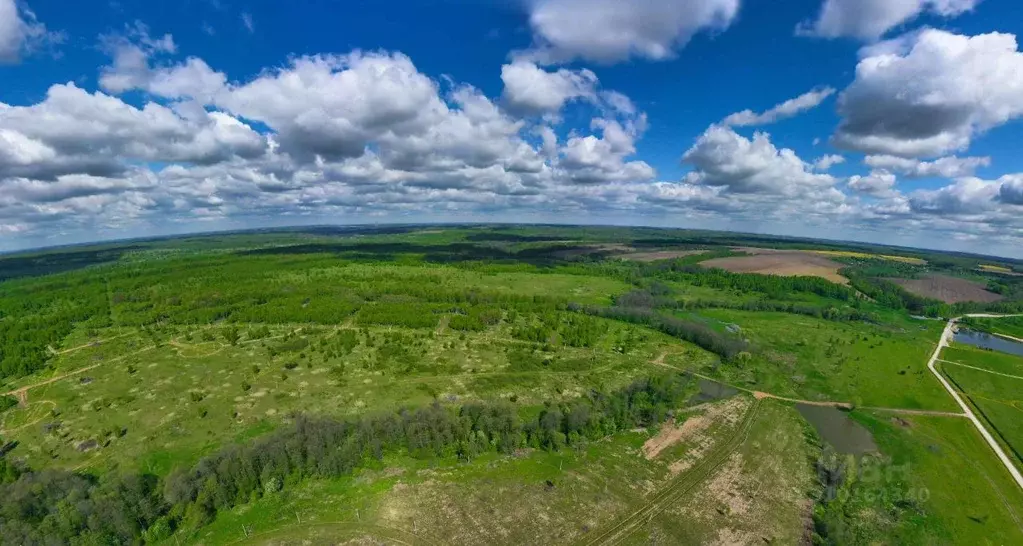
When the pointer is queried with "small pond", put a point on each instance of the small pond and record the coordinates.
(988, 341)
(838, 429)
(711, 391)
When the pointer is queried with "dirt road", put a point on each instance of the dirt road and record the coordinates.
(946, 335)
(1008, 337)
(760, 395)
(22, 392)
(979, 369)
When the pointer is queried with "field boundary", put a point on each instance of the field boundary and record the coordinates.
(979, 369)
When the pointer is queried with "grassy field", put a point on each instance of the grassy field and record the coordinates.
(993, 383)
(813, 359)
(153, 404)
(936, 482)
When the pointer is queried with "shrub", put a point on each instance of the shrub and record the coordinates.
(272, 485)
(7, 402)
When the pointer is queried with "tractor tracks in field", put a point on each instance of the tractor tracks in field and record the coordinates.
(678, 487)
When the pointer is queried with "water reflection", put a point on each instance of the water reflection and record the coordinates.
(711, 391)
(838, 429)
(988, 341)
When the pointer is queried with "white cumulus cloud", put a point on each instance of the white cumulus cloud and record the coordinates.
(529, 88)
(871, 19)
(966, 196)
(20, 32)
(879, 183)
(614, 30)
(722, 157)
(944, 167)
(930, 93)
(824, 163)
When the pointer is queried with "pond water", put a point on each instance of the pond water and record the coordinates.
(711, 391)
(988, 341)
(838, 430)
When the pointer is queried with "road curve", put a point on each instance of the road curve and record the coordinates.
(946, 335)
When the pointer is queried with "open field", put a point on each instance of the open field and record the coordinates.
(813, 359)
(993, 384)
(483, 385)
(948, 289)
(987, 268)
(654, 255)
(170, 404)
(851, 254)
(784, 263)
(936, 482)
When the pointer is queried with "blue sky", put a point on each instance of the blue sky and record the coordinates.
(126, 118)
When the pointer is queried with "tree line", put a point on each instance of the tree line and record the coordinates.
(59, 507)
(727, 346)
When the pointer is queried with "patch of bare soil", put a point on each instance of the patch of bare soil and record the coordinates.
(726, 487)
(948, 289)
(654, 255)
(693, 432)
(671, 433)
(785, 263)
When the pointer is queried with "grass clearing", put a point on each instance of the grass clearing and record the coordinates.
(460, 385)
(940, 478)
(175, 402)
(989, 360)
(997, 399)
(813, 359)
